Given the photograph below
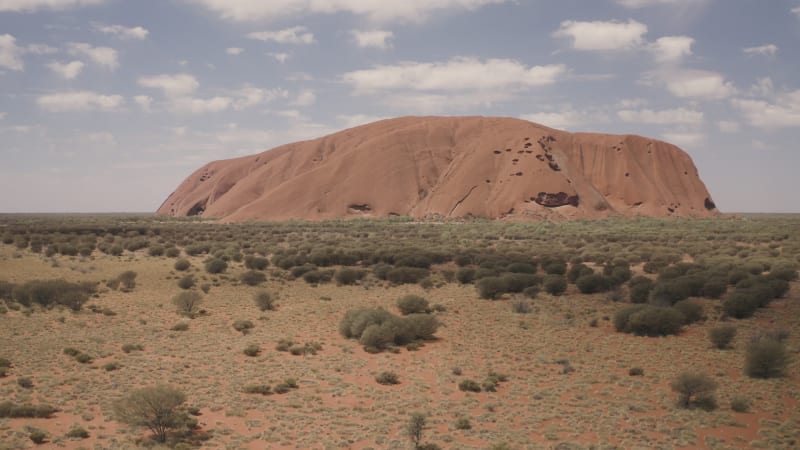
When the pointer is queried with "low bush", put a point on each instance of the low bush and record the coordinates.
(10, 410)
(521, 306)
(766, 358)
(593, 283)
(256, 262)
(243, 326)
(463, 423)
(740, 404)
(636, 372)
(182, 265)
(25, 382)
(468, 385)
(406, 275)
(387, 378)
(187, 302)
(378, 329)
(264, 300)
(691, 310)
(262, 389)
(740, 304)
(667, 293)
(216, 265)
(317, 276)
(127, 348)
(411, 304)
(77, 432)
(695, 389)
(252, 350)
(577, 271)
(491, 287)
(252, 277)
(555, 284)
(648, 320)
(348, 276)
(180, 326)
(186, 282)
(48, 293)
(37, 436)
(465, 275)
(722, 336)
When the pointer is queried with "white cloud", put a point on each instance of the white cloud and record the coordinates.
(123, 32)
(76, 101)
(784, 112)
(68, 70)
(602, 36)
(684, 138)
(172, 85)
(100, 138)
(3, 115)
(145, 102)
(10, 53)
(40, 49)
(636, 4)
(200, 105)
(697, 84)
(104, 56)
(234, 51)
(762, 87)
(456, 74)
(380, 11)
(667, 116)
(249, 96)
(672, 48)
(293, 35)
(278, 56)
(36, 5)
(728, 126)
(373, 38)
(761, 50)
(796, 11)
(306, 97)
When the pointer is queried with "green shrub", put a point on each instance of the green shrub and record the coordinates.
(282, 388)
(521, 267)
(593, 283)
(111, 366)
(740, 404)
(252, 350)
(695, 389)
(5, 362)
(518, 282)
(766, 358)
(317, 276)
(127, 348)
(722, 336)
(691, 310)
(252, 277)
(216, 265)
(256, 262)
(411, 304)
(577, 271)
(420, 326)
(647, 320)
(186, 282)
(740, 304)
(468, 385)
(465, 275)
(53, 292)
(25, 382)
(640, 287)
(77, 432)
(187, 302)
(243, 326)
(172, 252)
(715, 288)
(387, 378)
(463, 423)
(555, 267)
(182, 265)
(157, 408)
(667, 293)
(636, 372)
(83, 358)
(348, 276)
(555, 284)
(262, 389)
(11, 410)
(378, 329)
(355, 321)
(264, 300)
(37, 436)
(531, 291)
(180, 326)
(155, 250)
(491, 287)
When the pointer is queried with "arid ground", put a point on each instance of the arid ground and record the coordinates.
(568, 369)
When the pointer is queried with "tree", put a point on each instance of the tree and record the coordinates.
(766, 358)
(694, 389)
(414, 429)
(156, 408)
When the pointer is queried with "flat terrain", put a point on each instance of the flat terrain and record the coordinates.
(338, 403)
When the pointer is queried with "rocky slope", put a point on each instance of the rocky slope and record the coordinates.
(449, 167)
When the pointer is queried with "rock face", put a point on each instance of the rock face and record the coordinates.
(449, 167)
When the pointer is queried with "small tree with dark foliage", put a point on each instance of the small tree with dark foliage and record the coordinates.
(157, 408)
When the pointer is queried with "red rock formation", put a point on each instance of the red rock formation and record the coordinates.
(449, 167)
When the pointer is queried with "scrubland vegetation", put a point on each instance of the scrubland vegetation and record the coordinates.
(391, 334)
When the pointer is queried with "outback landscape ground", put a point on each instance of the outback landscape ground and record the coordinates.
(554, 369)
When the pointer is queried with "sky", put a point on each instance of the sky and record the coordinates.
(107, 105)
